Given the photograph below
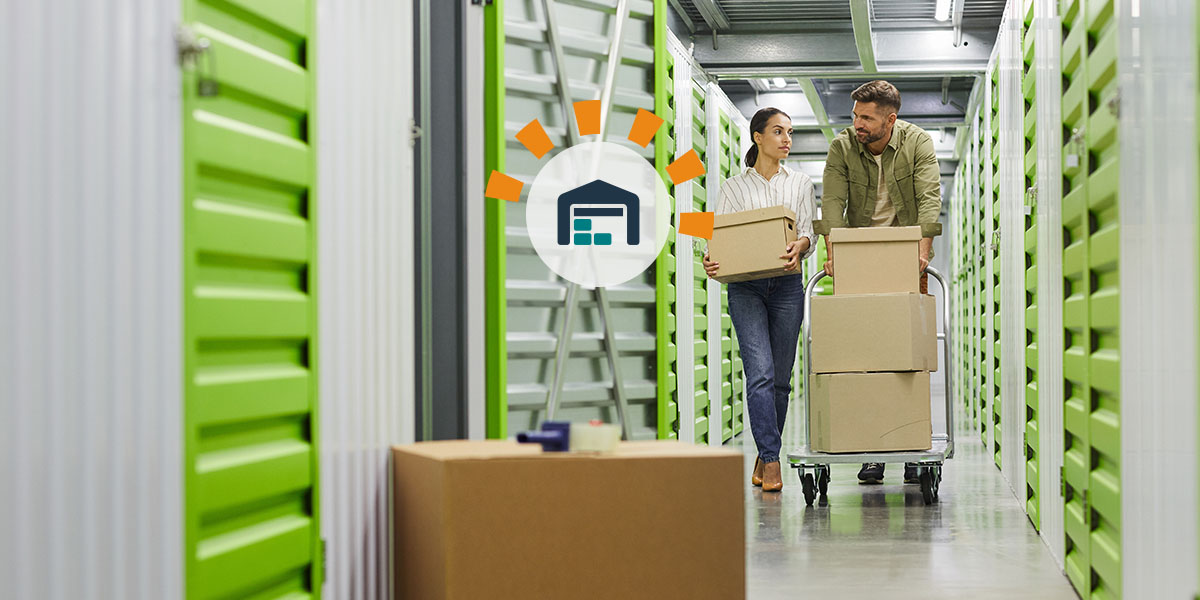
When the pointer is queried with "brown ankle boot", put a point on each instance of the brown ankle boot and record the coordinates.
(772, 477)
(756, 476)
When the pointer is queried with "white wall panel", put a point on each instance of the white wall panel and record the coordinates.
(1048, 69)
(365, 274)
(1012, 251)
(1157, 71)
(685, 383)
(90, 301)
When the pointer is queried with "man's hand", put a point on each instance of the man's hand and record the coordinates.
(829, 257)
(710, 267)
(926, 245)
(792, 255)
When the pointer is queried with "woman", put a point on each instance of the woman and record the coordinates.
(766, 313)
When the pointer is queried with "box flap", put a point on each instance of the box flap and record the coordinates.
(874, 234)
(751, 216)
(457, 450)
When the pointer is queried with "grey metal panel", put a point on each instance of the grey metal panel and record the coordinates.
(535, 296)
(366, 315)
(91, 250)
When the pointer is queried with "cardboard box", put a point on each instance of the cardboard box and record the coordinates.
(747, 244)
(873, 333)
(497, 519)
(876, 260)
(870, 412)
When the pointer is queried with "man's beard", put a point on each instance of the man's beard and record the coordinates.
(871, 137)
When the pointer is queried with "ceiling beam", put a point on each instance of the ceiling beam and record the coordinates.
(835, 55)
(959, 6)
(860, 14)
(713, 14)
(818, 107)
(683, 16)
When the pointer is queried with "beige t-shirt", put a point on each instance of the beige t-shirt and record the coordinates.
(885, 211)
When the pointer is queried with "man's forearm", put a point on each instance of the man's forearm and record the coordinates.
(926, 246)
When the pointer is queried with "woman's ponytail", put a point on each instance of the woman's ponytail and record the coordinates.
(752, 155)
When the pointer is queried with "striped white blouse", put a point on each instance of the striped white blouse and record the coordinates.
(749, 190)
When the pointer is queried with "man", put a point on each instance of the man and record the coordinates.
(882, 173)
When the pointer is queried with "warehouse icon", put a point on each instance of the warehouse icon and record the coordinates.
(597, 203)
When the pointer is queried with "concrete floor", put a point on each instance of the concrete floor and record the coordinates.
(881, 541)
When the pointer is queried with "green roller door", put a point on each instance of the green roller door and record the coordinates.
(993, 276)
(250, 505)
(730, 402)
(736, 377)
(980, 280)
(700, 281)
(664, 151)
(1091, 361)
(1029, 91)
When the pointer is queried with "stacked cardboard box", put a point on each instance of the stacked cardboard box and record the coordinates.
(874, 343)
(497, 519)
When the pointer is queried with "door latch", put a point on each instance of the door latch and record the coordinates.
(195, 52)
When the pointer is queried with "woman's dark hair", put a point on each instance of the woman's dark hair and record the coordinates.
(758, 124)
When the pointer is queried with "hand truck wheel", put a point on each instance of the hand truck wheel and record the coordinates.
(926, 478)
(810, 488)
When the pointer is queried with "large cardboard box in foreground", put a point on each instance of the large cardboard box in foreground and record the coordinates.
(876, 260)
(748, 244)
(497, 519)
(870, 412)
(874, 332)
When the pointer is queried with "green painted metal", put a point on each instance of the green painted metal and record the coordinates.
(664, 150)
(1029, 89)
(1091, 316)
(495, 323)
(993, 277)
(250, 391)
(727, 164)
(700, 280)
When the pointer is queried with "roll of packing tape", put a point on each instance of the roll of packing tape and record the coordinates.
(594, 438)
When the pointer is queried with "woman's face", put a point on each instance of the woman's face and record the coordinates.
(775, 140)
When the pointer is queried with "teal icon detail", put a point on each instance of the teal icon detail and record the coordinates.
(578, 207)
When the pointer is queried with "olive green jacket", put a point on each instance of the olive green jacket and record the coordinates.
(910, 169)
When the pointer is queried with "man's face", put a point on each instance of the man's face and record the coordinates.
(871, 122)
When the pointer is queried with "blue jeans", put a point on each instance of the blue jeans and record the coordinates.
(766, 315)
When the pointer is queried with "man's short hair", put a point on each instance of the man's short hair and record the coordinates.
(882, 93)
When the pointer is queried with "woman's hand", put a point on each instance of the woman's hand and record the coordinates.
(794, 250)
(710, 267)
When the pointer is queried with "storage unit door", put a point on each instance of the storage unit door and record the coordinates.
(250, 395)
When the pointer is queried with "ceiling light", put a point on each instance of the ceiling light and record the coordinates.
(941, 11)
(779, 82)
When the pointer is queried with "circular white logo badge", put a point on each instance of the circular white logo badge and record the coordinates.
(598, 214)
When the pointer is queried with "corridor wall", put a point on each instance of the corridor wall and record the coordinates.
(91, 367)
(365, 227)
(1073, 191)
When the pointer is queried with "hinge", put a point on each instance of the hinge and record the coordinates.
(414, 132)
(1075, 148)
(1114, 104)
(1062, 482)
(189, 50)
(324, 560)
(1032, 195)
(481, 2)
